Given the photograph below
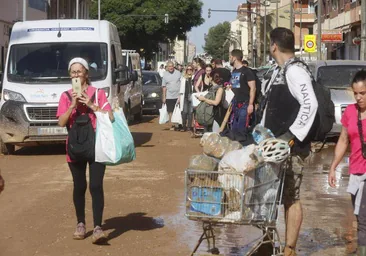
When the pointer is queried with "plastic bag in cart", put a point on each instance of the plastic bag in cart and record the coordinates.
(203, 163)
(216, 146)
(241, 161)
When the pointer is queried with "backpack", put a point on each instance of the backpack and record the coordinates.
(81, 139)
(205, 113)
(325, 116)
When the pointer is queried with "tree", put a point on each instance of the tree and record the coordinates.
(143, 33)
(217, 41)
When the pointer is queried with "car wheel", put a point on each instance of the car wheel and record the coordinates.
(6, 149)
(139, 115)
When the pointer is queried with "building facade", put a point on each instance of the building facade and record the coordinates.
(66, 9)
(11, 11)
(343, 16)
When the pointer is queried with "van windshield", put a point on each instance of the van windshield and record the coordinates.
(48, 62)
(337, 76)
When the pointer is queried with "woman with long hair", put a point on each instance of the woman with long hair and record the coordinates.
(205, 81)
(218, 90)
(185, 99)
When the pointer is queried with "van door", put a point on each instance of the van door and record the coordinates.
(137, 85)
(117, 89)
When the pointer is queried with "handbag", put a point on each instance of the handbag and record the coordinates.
(360, 132)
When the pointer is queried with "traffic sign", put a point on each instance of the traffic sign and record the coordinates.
(310, 43)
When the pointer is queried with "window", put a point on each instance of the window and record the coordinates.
(52, 61)
(334, 6)
(311, 7)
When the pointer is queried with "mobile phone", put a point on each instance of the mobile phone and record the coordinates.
(76, 86)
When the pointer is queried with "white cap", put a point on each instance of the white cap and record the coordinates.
(80, 61)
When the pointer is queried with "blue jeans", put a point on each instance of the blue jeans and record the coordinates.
(240, 120)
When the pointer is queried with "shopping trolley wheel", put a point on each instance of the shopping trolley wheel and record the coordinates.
(214, 251)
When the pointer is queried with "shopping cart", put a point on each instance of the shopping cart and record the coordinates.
(229, 197)
(198, 130)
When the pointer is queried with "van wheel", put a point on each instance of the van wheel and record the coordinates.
(128, 113)
(6, 149)
(138, 116)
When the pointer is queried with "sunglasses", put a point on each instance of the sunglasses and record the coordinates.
(189, 69)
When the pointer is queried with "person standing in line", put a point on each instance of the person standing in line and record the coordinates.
(71, 106)
(352, 134)
(245, 63)
(213, 64)
(288, 109)
(161, 70)
(199, 66)
(243, 85)
(205, 81)
(224, 73)
(185, 101)
(171, 89)
(218, 91)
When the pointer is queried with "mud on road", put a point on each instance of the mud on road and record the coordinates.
(144, 204)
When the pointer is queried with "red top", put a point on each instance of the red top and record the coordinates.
(65, 103)
(357, 164)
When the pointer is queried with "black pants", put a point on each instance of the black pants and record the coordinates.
(96, 174)
(187, 114)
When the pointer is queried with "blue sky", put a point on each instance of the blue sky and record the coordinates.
(196, 36)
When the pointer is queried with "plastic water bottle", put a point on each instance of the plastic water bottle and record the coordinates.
(261, 133)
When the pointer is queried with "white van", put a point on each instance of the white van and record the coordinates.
(36, 75)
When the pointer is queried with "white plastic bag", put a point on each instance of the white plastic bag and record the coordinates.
(113, 143)
(195, 101)
(241, 160)
(164, 116)
(229, 95)
(177, 115)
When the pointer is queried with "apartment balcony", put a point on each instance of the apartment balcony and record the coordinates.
(305, 17)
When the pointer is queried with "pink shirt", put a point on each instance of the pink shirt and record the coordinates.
(349, 120)
(65, 103)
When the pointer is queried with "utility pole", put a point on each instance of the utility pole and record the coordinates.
(258, 37)
(319, 36)
(250, 34)
(265, 35)
(77, 9)
(24, 10)
(292, 15)
(300, 29)
(277, 13)
(185, 49)
(98, 9)
(363, 30)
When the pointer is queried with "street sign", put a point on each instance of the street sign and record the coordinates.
(310, 43)
(332, 36)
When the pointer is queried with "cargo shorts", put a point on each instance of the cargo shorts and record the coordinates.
(293, 177)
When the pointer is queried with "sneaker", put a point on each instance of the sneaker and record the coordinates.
(98, 236)
(80, 231)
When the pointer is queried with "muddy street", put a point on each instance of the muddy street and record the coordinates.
(144, 204)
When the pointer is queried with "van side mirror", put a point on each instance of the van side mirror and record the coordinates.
(123, 75)
(134, 76)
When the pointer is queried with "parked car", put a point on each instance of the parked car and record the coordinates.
(152, 91)
(337, 75)
(132, 94)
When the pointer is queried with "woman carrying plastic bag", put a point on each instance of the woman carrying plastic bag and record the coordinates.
(114, 142)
